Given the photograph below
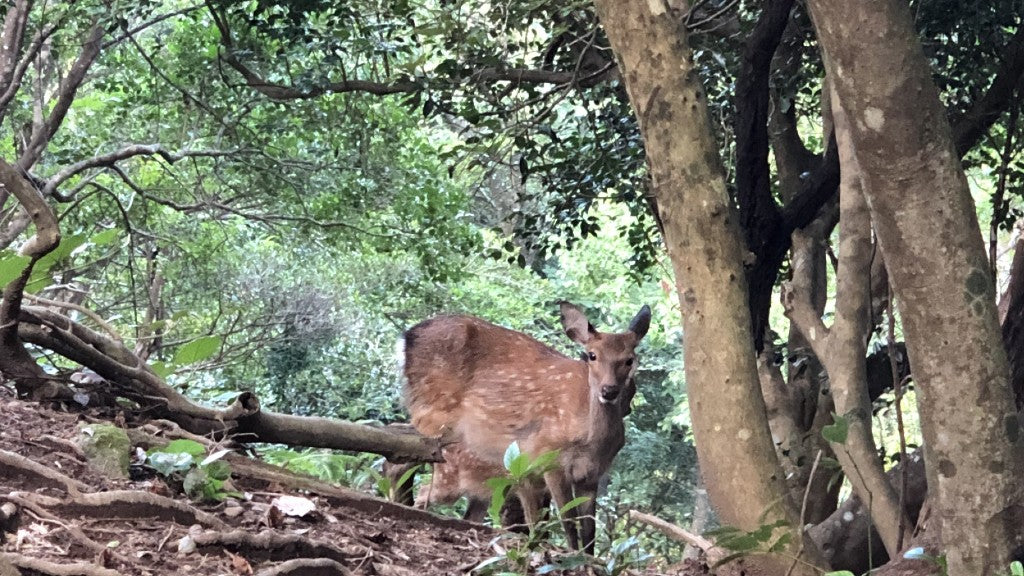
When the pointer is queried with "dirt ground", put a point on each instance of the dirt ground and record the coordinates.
(58, 515)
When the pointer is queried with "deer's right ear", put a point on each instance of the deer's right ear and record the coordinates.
(641, 322)
(575, 324)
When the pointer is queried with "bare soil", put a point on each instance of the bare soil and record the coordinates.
(58, 515)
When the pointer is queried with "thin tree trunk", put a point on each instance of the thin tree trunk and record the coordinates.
(737, 457)
(928, 230)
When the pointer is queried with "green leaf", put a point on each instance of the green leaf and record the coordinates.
(837, 431)
(197, 350)
(1016, 568)
(11, 267)
(105, 237)
(511, 453)
(183, 446)
(571, 504)
(219, 470)
(543, 463)
(162, 369)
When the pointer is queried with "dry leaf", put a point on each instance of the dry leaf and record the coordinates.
(239, 565)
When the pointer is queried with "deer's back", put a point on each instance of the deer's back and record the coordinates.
(491, 386)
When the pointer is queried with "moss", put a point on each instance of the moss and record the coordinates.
(107, 447)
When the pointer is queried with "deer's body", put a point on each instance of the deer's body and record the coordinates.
(488, 386)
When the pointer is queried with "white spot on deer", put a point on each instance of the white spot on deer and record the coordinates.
(657, 7)
(743, 434)
(848, 516)
(874, 118)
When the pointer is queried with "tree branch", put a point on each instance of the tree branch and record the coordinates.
(110, 159)
(68, 89)
(969, 129)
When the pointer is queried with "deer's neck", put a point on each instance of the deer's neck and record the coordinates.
(606, 432)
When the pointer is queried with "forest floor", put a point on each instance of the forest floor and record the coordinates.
(59, 515)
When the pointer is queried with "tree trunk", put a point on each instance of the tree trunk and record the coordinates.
(927, 228)
(737, 458)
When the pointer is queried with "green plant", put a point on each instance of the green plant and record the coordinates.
(202, 478)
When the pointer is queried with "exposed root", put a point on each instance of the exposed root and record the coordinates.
(279, 545)
(11, 464)
(55, 569)
(71, 529)
(307, 567)
(135, 504)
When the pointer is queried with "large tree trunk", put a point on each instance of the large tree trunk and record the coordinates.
(927, 228)
(737, 458)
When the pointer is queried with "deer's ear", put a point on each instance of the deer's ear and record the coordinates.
(641, 322)
(575, 324)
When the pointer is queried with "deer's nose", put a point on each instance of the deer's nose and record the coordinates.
(610, 394)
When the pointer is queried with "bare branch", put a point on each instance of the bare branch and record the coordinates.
(110, 159)
(69, 88)
(131, 32)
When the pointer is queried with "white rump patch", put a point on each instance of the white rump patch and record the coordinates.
(400, 357)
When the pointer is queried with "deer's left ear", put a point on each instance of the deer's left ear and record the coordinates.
(641, 322)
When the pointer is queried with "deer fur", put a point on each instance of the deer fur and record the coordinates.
(488, 386)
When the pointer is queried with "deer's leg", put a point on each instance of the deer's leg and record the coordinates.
(587, 512)
(476, 509)
(530, 498)
(561, 493)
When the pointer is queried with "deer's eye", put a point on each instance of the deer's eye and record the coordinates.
(592, 356)
(629, 361)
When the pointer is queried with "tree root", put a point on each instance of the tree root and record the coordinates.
(55, 569)
(135, 504)
(279, 545)
(72, 529)
(307, 567)
(11, 464)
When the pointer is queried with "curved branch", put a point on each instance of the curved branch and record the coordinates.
(110, 159)
(68, 89)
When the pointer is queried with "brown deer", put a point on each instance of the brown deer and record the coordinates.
(489, 386)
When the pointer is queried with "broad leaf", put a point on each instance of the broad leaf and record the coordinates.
(11, 267)
(837, 431)
(197, 350)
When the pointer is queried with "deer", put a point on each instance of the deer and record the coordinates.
(487, 386)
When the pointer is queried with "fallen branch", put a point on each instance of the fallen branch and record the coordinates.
(55, 569)
(714, 553)
(307, 567)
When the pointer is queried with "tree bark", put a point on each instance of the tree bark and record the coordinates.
(737, 457)
(843, 347)
(927, 228)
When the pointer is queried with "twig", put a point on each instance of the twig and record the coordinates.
(803, 512)
(77, 308)
(713, 552)
(897, 386)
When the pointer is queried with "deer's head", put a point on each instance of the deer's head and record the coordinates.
(610, 357)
